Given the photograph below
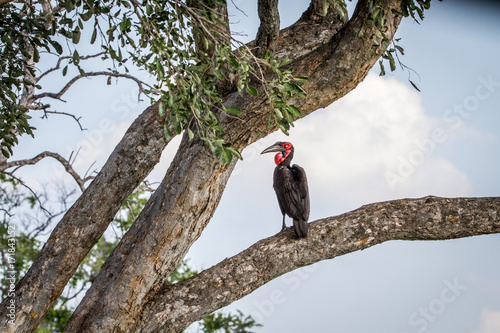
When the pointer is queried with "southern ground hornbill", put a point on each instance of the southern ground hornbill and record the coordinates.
(290, 185)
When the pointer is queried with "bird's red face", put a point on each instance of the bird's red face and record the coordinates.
(284, 149)
(282, 155)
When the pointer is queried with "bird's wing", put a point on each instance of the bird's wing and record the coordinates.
(301, 191)
(292, 192)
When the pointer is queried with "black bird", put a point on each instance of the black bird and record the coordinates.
(290, 185)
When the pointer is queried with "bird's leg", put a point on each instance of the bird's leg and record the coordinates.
(284, 225)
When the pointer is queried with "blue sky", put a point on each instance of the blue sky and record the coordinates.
(382, 141)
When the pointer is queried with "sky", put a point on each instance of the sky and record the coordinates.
(382, 141)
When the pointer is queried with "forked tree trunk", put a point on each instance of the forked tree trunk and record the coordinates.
(129, 292)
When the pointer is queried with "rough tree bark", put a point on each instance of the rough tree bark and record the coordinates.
(130, 292)
(175, 306)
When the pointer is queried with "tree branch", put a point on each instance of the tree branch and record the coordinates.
(269, 28)
(174, 307)
(46, 112)
(85, 222)
(89, 74)
(62, 160)
(58, 64)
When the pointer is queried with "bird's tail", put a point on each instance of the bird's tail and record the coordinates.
(301, 227)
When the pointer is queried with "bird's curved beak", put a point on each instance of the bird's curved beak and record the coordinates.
(272, 149)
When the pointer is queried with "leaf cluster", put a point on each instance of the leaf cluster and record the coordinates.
(376, 15)
(19, 31)
(228, 323)
(184, 45)
(281, 90)
(26, 31)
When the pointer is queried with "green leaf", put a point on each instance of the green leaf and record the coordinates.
(227, 155)
(170, 101)
(76, 35)
(235, 152)
(56, 46)
(414, 85)
(87, 15)
(233, 61)
(252, 91)
(5, 152)
(190, 134)
(167, 133)
(125, 24)
(233, 110)
(36, 55)
(278, 114)
(301, 79)
(94, 36)
(382, 69)
(76, 57)
(392, 63)
(294, 110)
(161, 108)
(6, 39)
(361, 31)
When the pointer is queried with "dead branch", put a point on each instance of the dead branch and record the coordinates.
(67, 165)
(59, 94)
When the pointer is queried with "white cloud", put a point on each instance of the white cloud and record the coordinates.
(376, 143)
(490, 322)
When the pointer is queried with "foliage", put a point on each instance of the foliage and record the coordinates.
(13, 60)
(24, 247)
(185, 45)
(393, 49)
(218, 322)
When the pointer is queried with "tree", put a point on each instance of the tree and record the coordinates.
(252, 94)
(27, 247)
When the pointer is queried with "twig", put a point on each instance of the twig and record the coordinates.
(10, 174)
(58, 65)
(77, 119)
(78, 77)
(62, 160)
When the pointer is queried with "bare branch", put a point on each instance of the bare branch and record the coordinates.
(430, 218)
(58, 65)
(35, 195)
(59, 95)
(77, 119)
(62, 160)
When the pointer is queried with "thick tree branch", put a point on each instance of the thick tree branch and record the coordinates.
(85, 222)
(67, 165)
(269, 28)
(174, 307)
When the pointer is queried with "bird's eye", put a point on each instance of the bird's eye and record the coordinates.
(287, 145)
